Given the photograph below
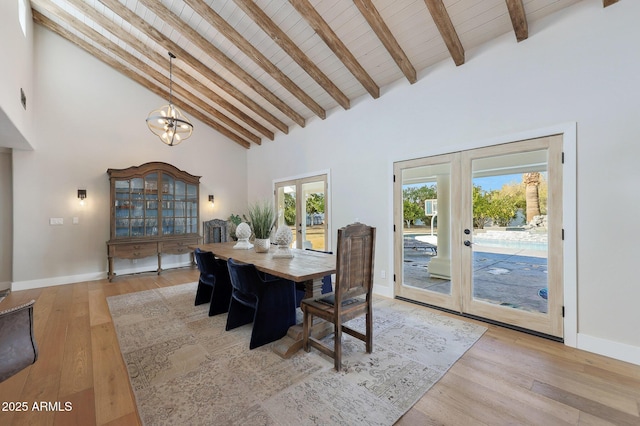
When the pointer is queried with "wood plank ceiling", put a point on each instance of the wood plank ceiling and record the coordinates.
(253, 68)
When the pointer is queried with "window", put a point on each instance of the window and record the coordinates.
(22, 16)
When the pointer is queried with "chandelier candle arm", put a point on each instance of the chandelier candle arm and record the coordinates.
(168, 122)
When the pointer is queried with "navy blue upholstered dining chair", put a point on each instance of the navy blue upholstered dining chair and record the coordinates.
(214, 285)
(269, 304)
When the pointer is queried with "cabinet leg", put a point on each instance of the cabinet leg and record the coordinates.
(110, 273)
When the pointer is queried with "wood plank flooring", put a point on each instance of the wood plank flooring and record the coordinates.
(506, 378)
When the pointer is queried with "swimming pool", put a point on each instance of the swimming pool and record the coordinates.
(498, 239)
(514, 244)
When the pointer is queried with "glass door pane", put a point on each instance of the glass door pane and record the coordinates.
(510, 235)
(512, 254)
(480, 232)
(424, 199)
(286, 206)
(302, 205)
(314, 229)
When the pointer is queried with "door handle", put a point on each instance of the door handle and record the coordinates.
(467, 243)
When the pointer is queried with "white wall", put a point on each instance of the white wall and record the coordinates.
(6, 220)
(580, 65)
(89, 118)
(17, 50)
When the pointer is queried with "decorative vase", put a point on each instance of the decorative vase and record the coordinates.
(283, 240)
(261, 245)
(243, 232)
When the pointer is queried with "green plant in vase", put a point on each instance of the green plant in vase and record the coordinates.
(235, 220)
(262, 219)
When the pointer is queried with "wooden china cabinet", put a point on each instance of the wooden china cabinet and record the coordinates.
(154, 211)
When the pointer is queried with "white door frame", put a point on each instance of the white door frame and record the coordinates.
(569, 208)
(327, 213)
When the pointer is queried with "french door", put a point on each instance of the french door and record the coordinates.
(480, 232)
(303, 205)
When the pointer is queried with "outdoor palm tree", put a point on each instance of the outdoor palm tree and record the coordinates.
(531, 182)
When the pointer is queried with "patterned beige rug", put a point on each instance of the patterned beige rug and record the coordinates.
(185, 369)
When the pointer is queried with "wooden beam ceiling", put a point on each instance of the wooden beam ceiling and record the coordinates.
(248, 49)
(370, 13)
(252, 68)
(99, 54)
(336, 45)
(447, 31)
(518, 19)
(282, 39)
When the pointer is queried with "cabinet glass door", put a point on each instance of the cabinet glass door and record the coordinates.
(122, 208)
(137, 207)
(191, 209)
(167, 205)
(150, 207)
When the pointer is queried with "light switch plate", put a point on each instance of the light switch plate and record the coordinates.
(56, 221)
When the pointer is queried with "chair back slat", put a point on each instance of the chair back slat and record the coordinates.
(355, 260)
(215, 231)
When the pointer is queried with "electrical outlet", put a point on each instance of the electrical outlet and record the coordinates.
(56, 221)
(76, 220)
(383, 274)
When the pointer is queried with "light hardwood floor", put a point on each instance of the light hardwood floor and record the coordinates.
(506, 378)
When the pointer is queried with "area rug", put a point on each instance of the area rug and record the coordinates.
(186, 369)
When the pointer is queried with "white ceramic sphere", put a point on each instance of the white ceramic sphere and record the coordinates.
(283, 236)
(243, 231)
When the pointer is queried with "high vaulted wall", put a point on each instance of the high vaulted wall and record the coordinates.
(88, 118)
(578, 66)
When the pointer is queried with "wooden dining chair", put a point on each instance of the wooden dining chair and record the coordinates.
(352, 296)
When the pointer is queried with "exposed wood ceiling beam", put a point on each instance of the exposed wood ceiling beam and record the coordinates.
(161, 61)
(137, 22)
(447, 31)
(306, 10)
(42, 5)
(282, 39)
(370, 13)
(194, 37)
(518, 19)
(39, 18)
(248, 49)
(236, 80)
(606, 3)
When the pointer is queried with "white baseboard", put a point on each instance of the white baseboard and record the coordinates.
(383, 290)
(611, 349)
(94, 276)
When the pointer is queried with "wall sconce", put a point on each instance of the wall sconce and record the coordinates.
(211, 199)
(82, 194)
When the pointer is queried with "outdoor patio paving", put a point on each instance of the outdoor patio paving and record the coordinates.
(510, 278)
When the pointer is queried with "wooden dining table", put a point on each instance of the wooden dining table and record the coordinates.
(306, 266)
